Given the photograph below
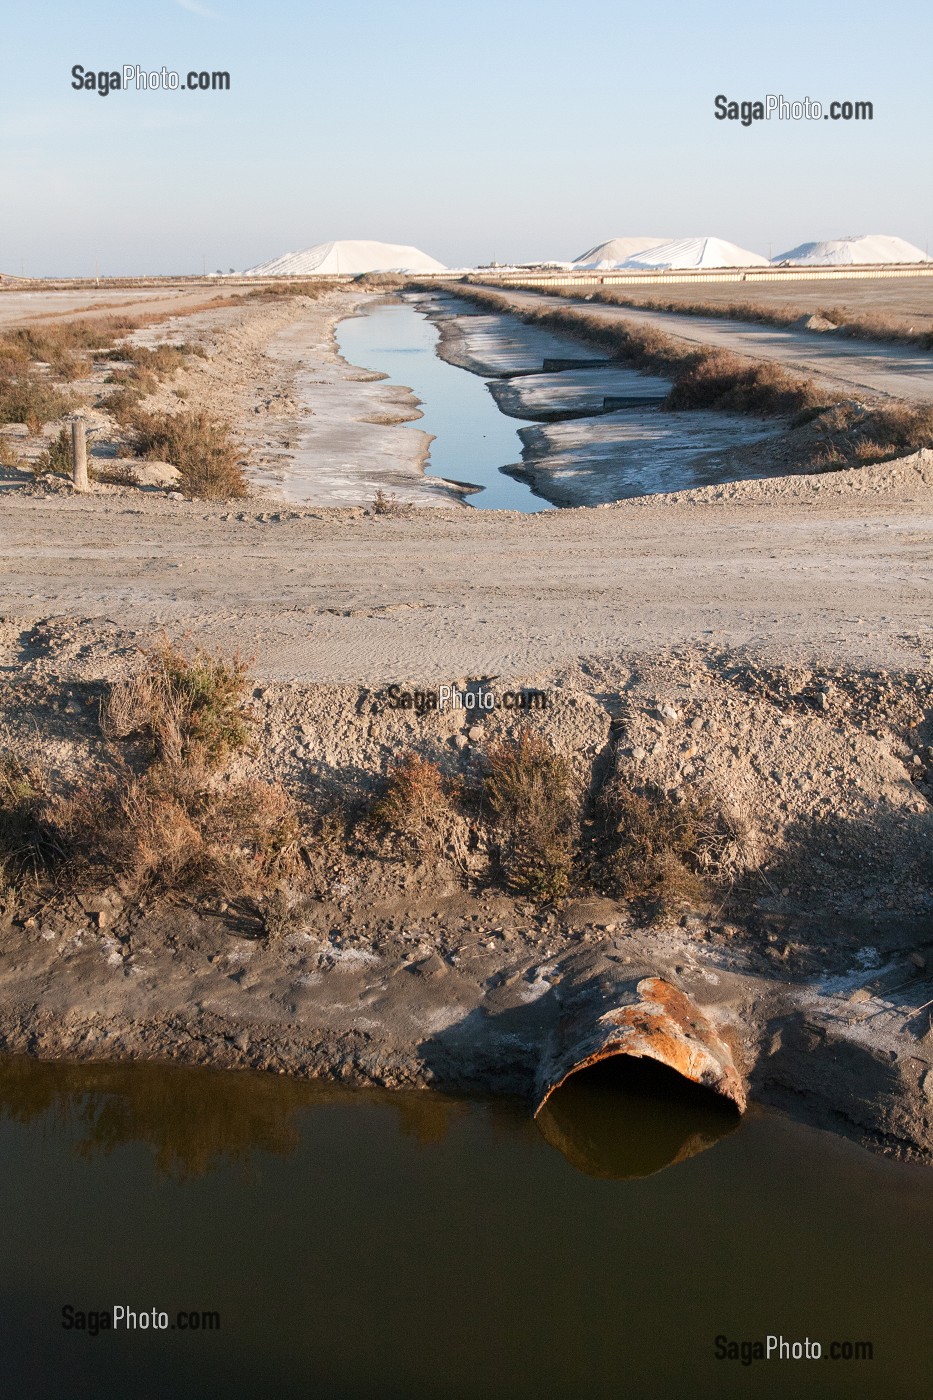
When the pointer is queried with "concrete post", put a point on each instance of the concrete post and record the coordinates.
(78, 455)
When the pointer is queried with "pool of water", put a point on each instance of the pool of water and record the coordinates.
(367, 1244)
(473, 440)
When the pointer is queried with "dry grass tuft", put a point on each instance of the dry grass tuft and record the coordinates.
(28, 396)
(189, 708)
(532, 793)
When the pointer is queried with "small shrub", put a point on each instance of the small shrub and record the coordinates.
(56, 460)
(199, 446)
(667, 851)
(532, 793)
(388, 504)
(188, 708)
(27, 845)
(174, 830)
(651, 845)
(415, 801)
(28, 396)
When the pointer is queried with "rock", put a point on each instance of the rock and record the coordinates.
(175, 496)
(431, 966)
(926, 1084)
(918, 960)
(474, 733)
(461, 741)
(816, 323)
(161, 474)
(639, 754)
(668, 714)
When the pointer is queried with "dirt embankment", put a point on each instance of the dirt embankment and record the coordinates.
(413, 964)
(309, 425)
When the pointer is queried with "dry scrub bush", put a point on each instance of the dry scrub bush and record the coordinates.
(189, 708)
(177, 831)
(56, 460)
(533, 795)
(669, 851)
(27, 844)
(417, 802)
(28, 396)
(389, 504)
(199, 446)
(723, 381)
(288, 289)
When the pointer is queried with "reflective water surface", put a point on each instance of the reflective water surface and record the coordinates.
(368, 1244)
(473, 440)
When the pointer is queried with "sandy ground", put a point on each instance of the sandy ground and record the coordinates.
(854, 366)
(18, 308)
(420, 970)
(784, 622)
(832, 566)
(908, 301)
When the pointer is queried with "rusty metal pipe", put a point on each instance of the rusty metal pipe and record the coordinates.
(649, 1019)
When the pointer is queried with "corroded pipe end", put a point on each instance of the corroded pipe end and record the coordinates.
(659, 1023)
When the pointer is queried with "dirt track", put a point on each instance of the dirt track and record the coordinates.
(856, 367)
(839, 566)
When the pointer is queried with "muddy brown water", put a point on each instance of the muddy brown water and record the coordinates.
(373, 1244)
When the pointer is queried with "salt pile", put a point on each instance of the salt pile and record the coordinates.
(696, 252)
(350, 257)
(859, 248)
(613, 253)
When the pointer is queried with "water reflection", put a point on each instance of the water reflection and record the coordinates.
(626, 1118)
(194, 1120)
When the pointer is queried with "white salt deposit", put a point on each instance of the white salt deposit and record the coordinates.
(867, 248)
(613, 252)
(696, 252)
(348, 256)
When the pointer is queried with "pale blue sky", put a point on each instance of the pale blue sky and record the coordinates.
(515, 130)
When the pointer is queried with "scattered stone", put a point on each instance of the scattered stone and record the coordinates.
(474, 733)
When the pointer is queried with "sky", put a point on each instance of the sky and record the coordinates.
(502, 129)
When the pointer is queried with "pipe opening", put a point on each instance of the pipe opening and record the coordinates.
(629, 1116)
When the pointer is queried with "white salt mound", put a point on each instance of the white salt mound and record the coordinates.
(695, 252)
(859, 248)
(613, 253)
(349, 256)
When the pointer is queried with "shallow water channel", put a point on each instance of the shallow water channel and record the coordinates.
(473, 440)
(370, 1244)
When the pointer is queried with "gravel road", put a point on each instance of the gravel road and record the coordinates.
(856, 367)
